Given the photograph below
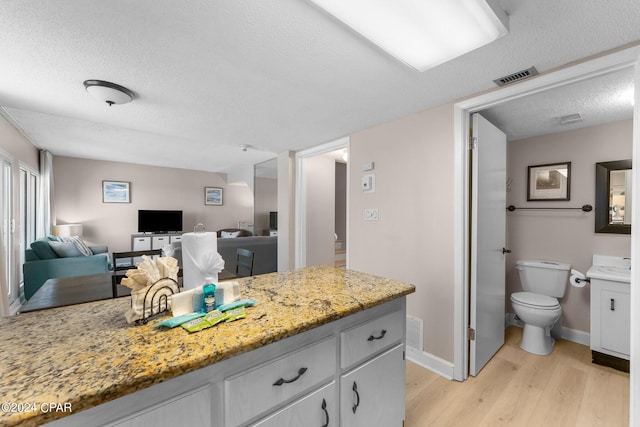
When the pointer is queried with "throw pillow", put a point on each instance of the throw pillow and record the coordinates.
(65, 249)
(42, 249)
(229, 234)
(79, 244)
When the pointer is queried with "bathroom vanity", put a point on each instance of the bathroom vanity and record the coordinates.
(610, 311)
(323, 346)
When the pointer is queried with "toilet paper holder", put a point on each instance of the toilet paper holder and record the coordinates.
(586, 279)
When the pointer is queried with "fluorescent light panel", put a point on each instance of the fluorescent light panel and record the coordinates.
(422, 33)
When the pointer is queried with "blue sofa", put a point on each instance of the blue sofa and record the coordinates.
(42, 263)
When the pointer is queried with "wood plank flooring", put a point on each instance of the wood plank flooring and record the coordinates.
(517, 388)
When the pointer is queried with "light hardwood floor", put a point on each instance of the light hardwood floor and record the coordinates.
(517, 388)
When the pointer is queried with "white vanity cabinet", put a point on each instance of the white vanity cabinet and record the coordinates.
(610, 317)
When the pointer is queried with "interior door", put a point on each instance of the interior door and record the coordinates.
(488, 230)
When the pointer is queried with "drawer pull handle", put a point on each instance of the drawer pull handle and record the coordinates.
(355, 390)
(382, 334)
(281, 381)
(326, 413)
(613, 304)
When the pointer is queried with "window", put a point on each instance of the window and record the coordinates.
(12, 288)
(29, 180)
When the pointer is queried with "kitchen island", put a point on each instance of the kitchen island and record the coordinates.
(333, 339)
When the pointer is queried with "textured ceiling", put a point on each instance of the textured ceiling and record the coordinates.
(276, 75)
(604, 99)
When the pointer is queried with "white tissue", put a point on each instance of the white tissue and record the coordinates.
(577, 279)
(182, 303)
(201, 261)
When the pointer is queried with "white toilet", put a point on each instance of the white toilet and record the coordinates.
(538, 307)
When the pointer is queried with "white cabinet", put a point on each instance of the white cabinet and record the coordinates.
(315, 409)
(254, 392)
(191, 409)
(141, 243)
(373, 394)
(157, 242)
(345, 373)
(145, 242)
(610, 318)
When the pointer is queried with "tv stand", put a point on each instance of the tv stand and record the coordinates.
(149, 241)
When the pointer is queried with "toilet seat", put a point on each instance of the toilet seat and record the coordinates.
(537, 301)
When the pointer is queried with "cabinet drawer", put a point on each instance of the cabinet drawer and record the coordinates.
(256, 391)
(363, 341)
(176, 239)
(191, 409)
(315, 409)
(141, 243)
(159, 242)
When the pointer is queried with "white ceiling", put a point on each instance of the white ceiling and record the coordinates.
(603, 99)
(276, 75)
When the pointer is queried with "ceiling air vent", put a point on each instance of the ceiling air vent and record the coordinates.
(571, 118)
(516, 77)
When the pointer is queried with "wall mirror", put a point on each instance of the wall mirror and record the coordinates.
(613, 197)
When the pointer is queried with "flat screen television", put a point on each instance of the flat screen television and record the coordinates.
(152, 221)
(273, 220)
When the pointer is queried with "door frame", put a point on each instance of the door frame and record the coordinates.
(463, 109)
(301, 196)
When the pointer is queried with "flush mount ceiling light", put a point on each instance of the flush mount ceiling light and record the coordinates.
(108, 92)
(422, 33)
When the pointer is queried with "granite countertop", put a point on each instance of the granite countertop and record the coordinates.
(87, 354)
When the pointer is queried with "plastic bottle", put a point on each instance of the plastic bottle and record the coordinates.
(209, 297)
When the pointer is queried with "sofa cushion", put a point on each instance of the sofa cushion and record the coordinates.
(65, 249)
(43, 250)
(78, 243)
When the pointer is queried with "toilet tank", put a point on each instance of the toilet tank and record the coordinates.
(543, 277)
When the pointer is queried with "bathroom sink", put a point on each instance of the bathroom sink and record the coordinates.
(619, 271)
(606, 272)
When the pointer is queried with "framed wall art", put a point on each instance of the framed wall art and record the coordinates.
(213, 196)
(116, 192)
(549, 182)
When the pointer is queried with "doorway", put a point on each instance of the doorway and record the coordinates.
(317, 220)
(462, 112)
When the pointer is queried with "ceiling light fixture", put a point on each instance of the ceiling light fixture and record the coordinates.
(422, 33)
(244, 147)
(108, 92)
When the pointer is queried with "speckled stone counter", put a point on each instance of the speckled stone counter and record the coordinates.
(87, 354)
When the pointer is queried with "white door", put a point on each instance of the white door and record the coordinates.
(488, 229)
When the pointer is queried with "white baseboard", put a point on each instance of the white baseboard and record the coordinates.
(572, 335)
(433, 363)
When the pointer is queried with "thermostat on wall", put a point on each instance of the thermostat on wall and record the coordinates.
(369, 183)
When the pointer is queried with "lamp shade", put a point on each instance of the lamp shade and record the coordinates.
(67, 230)
(108, 92)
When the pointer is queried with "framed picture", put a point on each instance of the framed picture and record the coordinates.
(213, 196)
(116, 192)
(549, 182)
